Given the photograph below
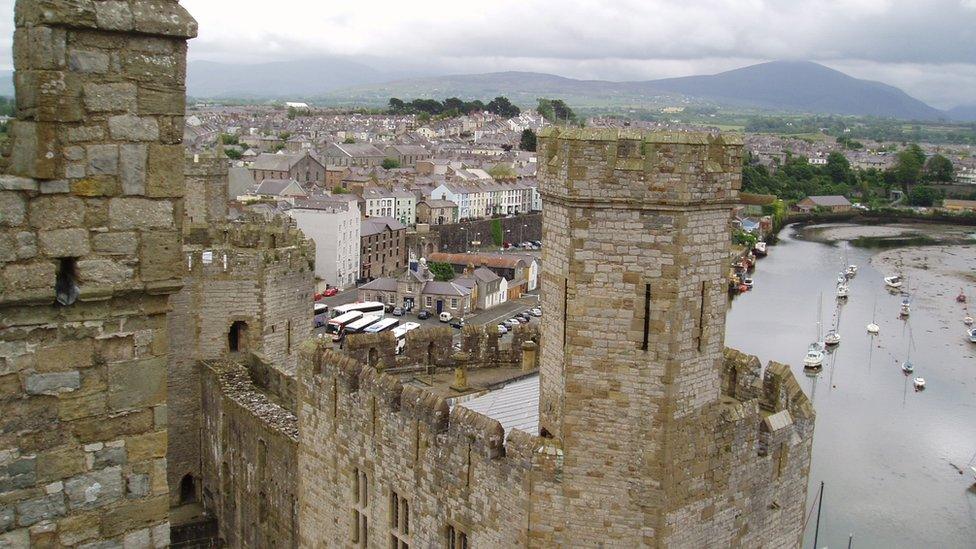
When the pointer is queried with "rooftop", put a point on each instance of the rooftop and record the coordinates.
(515, 405)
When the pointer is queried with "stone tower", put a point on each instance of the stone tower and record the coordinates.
(90, 215)
(637, 236)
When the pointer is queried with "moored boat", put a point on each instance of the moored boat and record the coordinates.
(842, 291)
(759, 249)
(961, 298)
(972, 335)
(919, 383)
(851, 271)
(893, 281)
(908, 367)
(815, 356)
(832, 337)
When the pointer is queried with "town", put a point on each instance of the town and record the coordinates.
(528, 315)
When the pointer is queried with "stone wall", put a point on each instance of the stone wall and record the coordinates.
(457, 237)
(253, 275)
(249, 460)
(90, 209)
(454, 468)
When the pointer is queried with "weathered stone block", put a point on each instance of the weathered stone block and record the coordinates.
(14, 183)
(26, 243)
(115, 243)
(140, 213)
(35, 150)
(148, 446)
(64, 242)
(96, 185)
(103, 272)
(109, 456)
(114, 97)
(163, 18)
(160, 535)
(57, 212)
(135, 514)
(113, 15)
(95, 489)
(57, 186)
(52, 384)
(6, 517)
(35, 510)
(77, 528)
(88, 61)
(129, 127)
(165, 175)
(155, 68)
(137, 486)
(15, 539)
(137, 384)
(73, 355)
(13, 208)
(160, 256)
(103, 159)
(133, 168)
(101, 428)
(167, 101)
(60, 463)
(81, 134)
(55, 95)
(40, 48)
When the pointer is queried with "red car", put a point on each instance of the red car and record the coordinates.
(329, 292)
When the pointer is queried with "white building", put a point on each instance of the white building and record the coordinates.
(405, 204)
(334, 225)
(380, 202)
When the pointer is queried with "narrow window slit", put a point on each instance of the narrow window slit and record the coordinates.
(66, 283)
(647, 316)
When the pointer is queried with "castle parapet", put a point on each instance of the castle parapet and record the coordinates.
(641, 169)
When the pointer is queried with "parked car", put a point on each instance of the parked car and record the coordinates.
(521, 319)
(445, 317)
(523, 316)
(398, 311)
(502, 329)
(510, 322)
(329, 292)
(458, 323)
(535, 312)
(423, 315)
(537, 243)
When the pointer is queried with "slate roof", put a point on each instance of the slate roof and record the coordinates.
(376, 225)
(829, 200)
(274, 187)
(436, 287)
(276, 162)
(385, 284)
(515, 406)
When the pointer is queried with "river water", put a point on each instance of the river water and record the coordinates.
(889, 456)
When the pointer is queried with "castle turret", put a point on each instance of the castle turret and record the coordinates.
(636, 232)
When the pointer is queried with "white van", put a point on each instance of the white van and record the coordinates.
(445, 317)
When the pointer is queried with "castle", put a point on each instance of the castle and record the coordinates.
(158, 385)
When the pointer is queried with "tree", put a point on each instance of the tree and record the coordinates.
(454, 104)
(556, 111)
(292, 113)
(528, 140)
(939, 168)
(397, 105)
(497, 235)
(907, 168)
(228, 139)
(284, 136)
(349, 140)
(339, 190)
(838, 168)
(503, 107)
(390, 163)
(923, 195)
(442, 272)
(233, 154)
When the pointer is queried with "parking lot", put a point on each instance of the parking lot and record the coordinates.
(495, 315)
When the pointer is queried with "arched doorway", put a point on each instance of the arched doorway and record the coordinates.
(237, 336)
(188, 489)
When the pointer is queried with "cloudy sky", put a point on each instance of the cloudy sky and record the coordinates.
(926, 47)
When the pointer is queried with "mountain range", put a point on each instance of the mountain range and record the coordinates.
(778, 86)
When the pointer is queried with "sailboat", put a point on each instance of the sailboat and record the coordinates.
(815, 352)
(873, 328)
(972, 334)
(842, 290)
(906, 306)
(893, 281)
(851, 271)
(907, 366)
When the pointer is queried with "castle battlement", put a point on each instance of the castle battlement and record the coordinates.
(643, 170)
(333, 380)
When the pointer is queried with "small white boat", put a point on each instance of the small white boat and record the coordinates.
(851, 271)
(843, 291)
(832, 338)
(972, 335)
(908, 367)
(919, 383)
(815, 356)
(759, 249)
(747, 282)
(873, 328)
(893, 281)
(967, 320)
(905, 309)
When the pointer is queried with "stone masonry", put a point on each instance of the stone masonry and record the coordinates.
(90, 215)
(651, 434)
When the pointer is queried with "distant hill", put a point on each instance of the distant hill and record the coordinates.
(801, 86)
(963, 113)
(778, 85)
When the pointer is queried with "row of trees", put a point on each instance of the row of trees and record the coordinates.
(453, 106)
(797, 178)
(556, 111)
